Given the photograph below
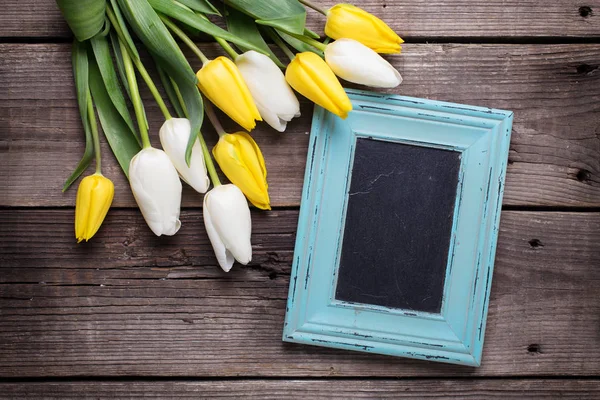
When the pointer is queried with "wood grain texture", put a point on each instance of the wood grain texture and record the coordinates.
(309, 389)
(554, 91)
(462, 18)
(131, 304)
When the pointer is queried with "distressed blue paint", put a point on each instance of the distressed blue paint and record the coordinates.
(314, 316)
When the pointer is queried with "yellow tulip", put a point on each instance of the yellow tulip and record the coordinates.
(348, 21)
(94, 197)
(242, 162)
(310, 76)
(220, 80)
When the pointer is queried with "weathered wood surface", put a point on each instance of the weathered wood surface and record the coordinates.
(454, 19)
(309, 389)
(554, 91)
(131, 304)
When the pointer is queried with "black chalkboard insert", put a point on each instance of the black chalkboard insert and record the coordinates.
(398, 225)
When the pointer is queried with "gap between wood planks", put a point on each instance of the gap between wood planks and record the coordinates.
(407, 39)
(132, 378)
(302, 389)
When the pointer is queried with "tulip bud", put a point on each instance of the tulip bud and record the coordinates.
(274, 98)
(221, 81)
(242, 162)
(174, 136)
(94, 197)
(228, 224)
(157, 190)
(355, 62)
(348, 21)
(309, 75)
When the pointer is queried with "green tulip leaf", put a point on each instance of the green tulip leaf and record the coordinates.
(85, 17)
(121, 139)
(104, 61)
(287, 15)
(281, 23)
(299, 45)
(106, 28)
(122, 26)
(311, 34)
(244, 26)
(80, 72)
(154, 34)
(170, 9)
(191, 97)
(203, 6)
(114, 39)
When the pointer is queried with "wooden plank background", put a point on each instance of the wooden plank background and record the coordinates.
(132, 315)
(555, 148)
(416, 18)
(129, 303)
(295, 389)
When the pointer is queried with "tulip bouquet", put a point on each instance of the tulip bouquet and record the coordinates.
(251, 84)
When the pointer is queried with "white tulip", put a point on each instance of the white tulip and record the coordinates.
(355, 62)
(272, 95)
(157, 190)
(174, 136)
(228, 224)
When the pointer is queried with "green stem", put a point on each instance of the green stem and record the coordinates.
(179, 96)
(138, 65)
(114, 22)
(94, 129)
(135, 95)
(180, 4)
(277, 39)
(210, 166)
(314, 6)
(212, 116)
(310, 41)
(227, 47)
(153, 88)
(184, 38)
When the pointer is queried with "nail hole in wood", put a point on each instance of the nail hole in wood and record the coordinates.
(535, 243)
(586, 69)
(585, 11)
(384, 5)
(511, 162)
(273, 275)
(583, 175)
(534, 348)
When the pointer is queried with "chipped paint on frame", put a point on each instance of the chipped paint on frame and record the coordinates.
(455, 335)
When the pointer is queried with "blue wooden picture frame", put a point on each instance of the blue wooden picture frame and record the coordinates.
(455, 334)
